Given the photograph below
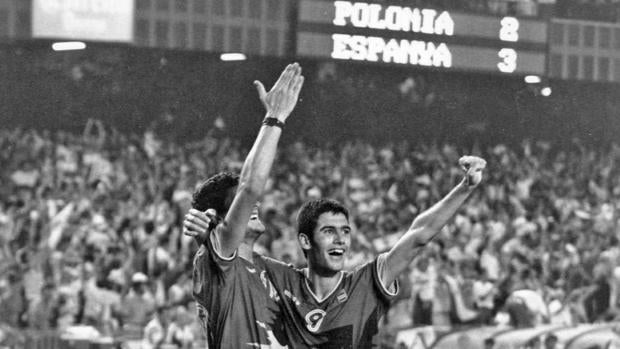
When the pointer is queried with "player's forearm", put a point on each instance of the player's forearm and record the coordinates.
(252, 181)
(430, 222)
(422, 230)
(279, 103)
(259, 161)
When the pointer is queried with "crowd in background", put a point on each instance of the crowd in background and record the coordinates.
(90, 227)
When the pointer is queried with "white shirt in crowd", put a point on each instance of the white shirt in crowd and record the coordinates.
(534, 302)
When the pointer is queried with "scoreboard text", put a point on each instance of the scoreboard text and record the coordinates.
(361, 31)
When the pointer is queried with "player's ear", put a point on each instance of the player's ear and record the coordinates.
(304, 241)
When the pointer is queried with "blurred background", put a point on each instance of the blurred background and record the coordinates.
(112, 111)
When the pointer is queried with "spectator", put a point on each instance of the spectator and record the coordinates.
(137, 306)
(42, 314)
(551, 341)
(423, 280)
(527, 308)
(179, 331)
(155, 331)
(12, 299)
(484, 293)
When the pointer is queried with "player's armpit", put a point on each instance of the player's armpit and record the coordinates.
(387, 283)
(215, 246)
(209, 262)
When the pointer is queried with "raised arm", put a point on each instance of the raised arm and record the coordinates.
(279, 103)
(429, 223)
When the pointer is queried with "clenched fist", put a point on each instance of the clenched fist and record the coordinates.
(198, 224)
(473, 166)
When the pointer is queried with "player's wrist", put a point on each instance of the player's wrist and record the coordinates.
(279, 116)
(272, 121)
(466, 185)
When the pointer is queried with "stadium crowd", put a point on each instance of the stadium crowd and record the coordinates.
(90, 228)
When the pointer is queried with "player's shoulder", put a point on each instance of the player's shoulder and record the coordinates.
(368, 265)
(368, 271)
(266, 260)
(278, 269)
(371, 276)
(361, 273)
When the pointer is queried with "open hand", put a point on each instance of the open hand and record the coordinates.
(282, 98)
(473, 166)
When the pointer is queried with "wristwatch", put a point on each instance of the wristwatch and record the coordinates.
(273, 122)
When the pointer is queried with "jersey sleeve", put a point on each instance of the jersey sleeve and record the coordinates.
(212, 271)
(379, 265)
(211, 252)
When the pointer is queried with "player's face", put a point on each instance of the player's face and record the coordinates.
(255, 226)
(330, 243)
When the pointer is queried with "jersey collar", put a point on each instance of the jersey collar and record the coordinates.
(316, 298)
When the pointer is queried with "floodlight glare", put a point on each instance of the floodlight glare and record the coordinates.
(532, 79)
(232, 57)
(68, 46)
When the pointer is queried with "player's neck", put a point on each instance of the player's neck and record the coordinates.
(246, 251)
(321, 283)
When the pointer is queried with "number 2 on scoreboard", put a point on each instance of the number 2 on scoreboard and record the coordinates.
(509, 30)
(509, 60)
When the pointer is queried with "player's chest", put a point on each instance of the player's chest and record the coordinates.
(318, 315)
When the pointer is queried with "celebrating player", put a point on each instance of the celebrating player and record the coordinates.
(232, 294)
(331, 308)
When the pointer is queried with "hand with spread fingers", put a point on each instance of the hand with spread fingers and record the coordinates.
(473, 166)
(282, 98)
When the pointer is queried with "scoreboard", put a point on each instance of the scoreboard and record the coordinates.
(403, 35)
(94, 20)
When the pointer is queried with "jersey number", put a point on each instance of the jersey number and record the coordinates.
(314, 319)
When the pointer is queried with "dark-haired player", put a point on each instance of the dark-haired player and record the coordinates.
(327, 307)
(236, 302)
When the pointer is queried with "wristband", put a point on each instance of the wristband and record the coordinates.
(273, 122)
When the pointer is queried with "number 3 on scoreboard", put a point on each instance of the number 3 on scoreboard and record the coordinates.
(509, 60)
